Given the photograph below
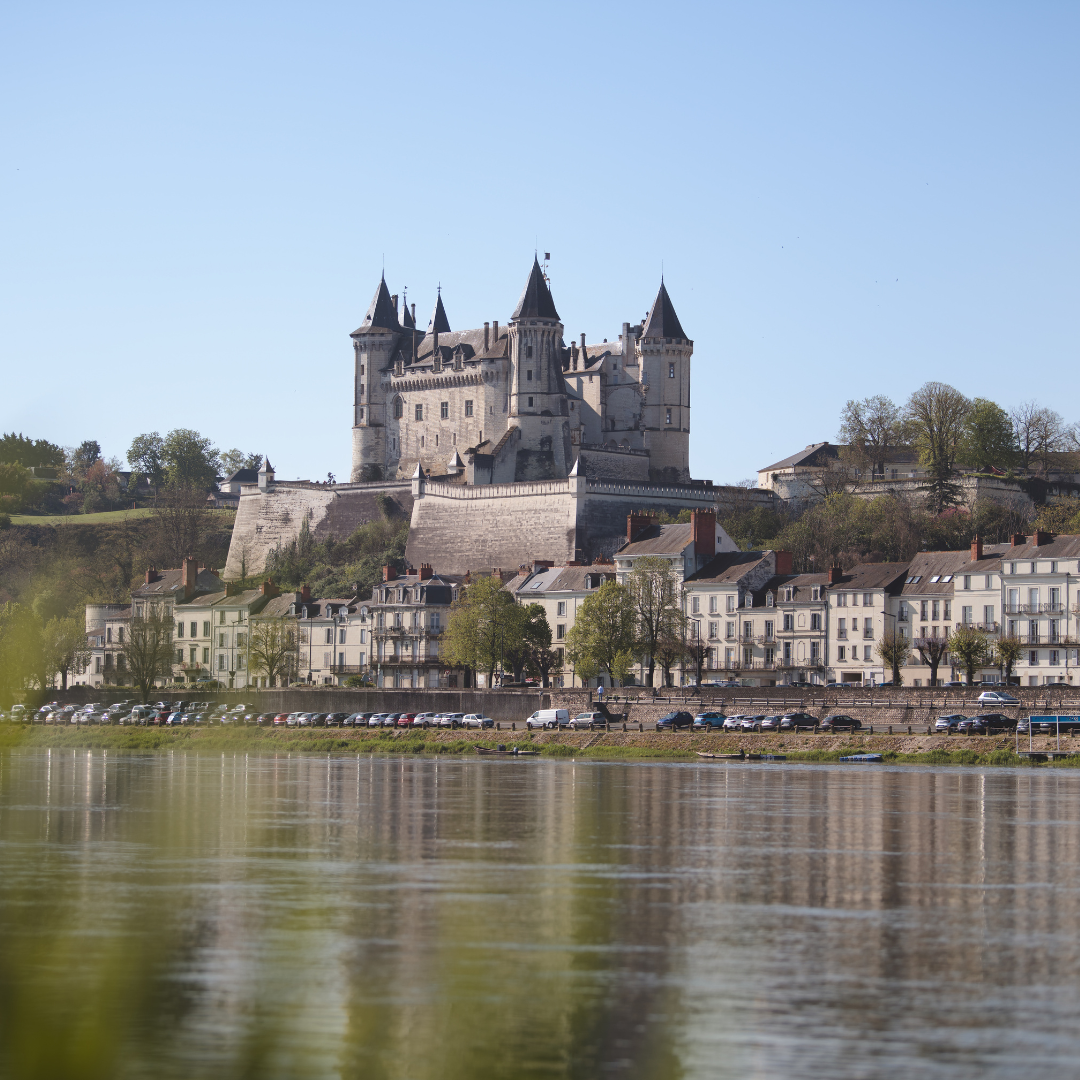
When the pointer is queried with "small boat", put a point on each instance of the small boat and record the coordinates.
(722, 757)
(863, 758)
(503, 752)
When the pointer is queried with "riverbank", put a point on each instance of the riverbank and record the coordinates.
(649, 745)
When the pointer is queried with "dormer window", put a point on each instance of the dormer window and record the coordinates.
(748, 601)
(815, 592)
(770, 599)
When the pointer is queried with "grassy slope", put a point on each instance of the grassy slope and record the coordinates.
(108, 518)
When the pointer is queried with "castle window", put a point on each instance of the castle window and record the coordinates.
(444, 410)
(667, 416)
(528, 352)
(421, 442)
(468, 408)
(419, 412)
(361, 412)
(671, 371)
(528, 375)
(399, 408)
(530, 403)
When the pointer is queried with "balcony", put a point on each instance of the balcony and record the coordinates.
(1034, 609)
(841, 635)
(812, 665)
(868, 635)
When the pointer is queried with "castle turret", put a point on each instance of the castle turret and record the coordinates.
(373, 346)
(665, 352)
(537, 394)
(266, 475)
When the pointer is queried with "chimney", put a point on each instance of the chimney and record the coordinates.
(269, 589)
(785, 562)
(151, 575)
(487, 332)
(703, 532)
(1042, 537)
(636, 524)
(976, 548)
(584, 356)
(496, 571)
(305, 594)
(393, 300)
(191, 576)
(836, 575)
(389, 573)
(495, 332)
(425, 571)
(1018, 539)
(412, 308)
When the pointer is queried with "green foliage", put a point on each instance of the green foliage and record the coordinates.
(30, 453)
(971, 648)
(605, 629)
(234, 460)
(146, 455)
(84, 455)
(894, 651)
(1061, 516)
(22, 657)
(190, 460)
(871, 430)
(988, 439)
(486, 627)
(15, 483)
(1007, 650)
(656, 597)
(335, 568)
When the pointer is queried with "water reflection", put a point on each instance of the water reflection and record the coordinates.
(192, 915)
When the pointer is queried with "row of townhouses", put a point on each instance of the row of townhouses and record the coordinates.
(760, 623)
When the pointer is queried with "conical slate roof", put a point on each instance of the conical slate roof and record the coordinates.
(662, 321)
(439, 324)
(382, 313)
(407, 319)
(535, 302)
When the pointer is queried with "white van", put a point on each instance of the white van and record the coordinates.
(549, 718)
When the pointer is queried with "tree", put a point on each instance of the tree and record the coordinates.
(1006, 652)
(1040, 433)
(872, 430)
(234, 460)
(15, 484)
(64, 644)
(934, 419)
(483, 624)
(931, 651)
(527, 642)
(146, 455)
(272, 649)
(181, 519)
(656, 595)
(894, 651)
(971, 648)
(30, 453)
(988, 438)
(22, 661)
(1060, 516)
(190, 460)
(605, 627)
(83, 456)
(697, 653)
(670, 650)
(148, 648)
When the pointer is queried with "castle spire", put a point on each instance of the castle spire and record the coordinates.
(662, 321)
(381, 313)
(439, 324)
(407, 320)
(535, 302)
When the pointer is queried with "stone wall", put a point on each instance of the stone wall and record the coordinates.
(614, 463)
(267, 519)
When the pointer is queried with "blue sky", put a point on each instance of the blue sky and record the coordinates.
(846, 199)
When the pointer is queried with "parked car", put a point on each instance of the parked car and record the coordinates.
(752, 723)
(450, 719)
(796, 721)
(548, 718)
(709, 720)
(265, 719)
(586, 721)
(424, 719)
(839, 722)
(997, 697)
(675, 720)
(175, 719)
(336, 719)
(405, 719)
(477, 720)
(985, 724)
(375, 719)
(950, 722)
(281, 720)
(770, 723)
(733, 723)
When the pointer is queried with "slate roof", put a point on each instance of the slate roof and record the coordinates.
(815, 454)
(888, 576)
(993, 554)
(553, 579)
(381, 313)
(536, 301)
(662, 321)
(660, 540)
(728, 567)
(243, 476)
(1065, 546)
(172, 581)
(222, 598)
(935, 564)
(439, 322)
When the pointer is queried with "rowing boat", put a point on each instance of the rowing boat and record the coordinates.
(863, 757)
(503, 752)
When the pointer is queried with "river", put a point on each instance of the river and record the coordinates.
(196, 915)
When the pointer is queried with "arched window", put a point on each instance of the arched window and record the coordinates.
(399, 408)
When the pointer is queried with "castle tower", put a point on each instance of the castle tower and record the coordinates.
(538, 404)
(665, 352)
(373, 345)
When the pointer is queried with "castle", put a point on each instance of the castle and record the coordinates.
(503, 444)
(515, 402)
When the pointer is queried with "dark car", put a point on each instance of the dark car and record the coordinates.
(674, 720)
(795, 721)
(840, 722)
(709, 720)
(986, 724)
(336, 718)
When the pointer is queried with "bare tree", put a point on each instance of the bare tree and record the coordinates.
(872, 429)
(935, 421)
(1040, 433)
(64, 640)
(931, 651)
(894, 651)
(272, 649)
(182, 519)
(657, 600)
(148, 649)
